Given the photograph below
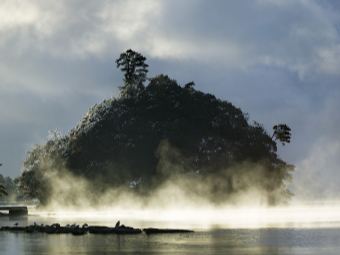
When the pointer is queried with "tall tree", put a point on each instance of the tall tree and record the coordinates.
(133, 65)
(282, 133)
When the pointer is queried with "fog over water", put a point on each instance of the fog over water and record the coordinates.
(172, 205)
(182, 201)
(250, 227)
(306, 216)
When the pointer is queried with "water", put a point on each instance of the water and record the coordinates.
(302, 233)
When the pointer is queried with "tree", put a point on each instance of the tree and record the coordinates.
(2, 189)
(135, 69)
(11, 188)
(41, 166)
(282, 133)
(189, 85)
(166, 132)
(157, 132)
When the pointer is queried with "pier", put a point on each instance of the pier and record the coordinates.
(14, 210)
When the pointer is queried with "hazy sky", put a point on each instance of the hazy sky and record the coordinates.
(279, 61)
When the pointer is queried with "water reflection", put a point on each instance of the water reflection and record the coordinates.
(6, 220)
(217, 234)
(222, 241)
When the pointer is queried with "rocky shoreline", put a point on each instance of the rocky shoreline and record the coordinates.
(74, 229)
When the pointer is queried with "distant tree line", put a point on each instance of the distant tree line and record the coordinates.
(152, 133)
(8, 190)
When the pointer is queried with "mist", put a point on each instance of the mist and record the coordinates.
(183, 202)
(181, 195)
(177, 184)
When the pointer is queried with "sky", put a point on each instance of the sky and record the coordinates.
(279, 61)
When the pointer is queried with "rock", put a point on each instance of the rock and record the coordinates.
(76, 230)
(165, 231)
(128, 230)
(116, 230)
(79, 231)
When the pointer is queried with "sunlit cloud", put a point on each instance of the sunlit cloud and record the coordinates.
(298, 36)
(25, 23)
(77, 29)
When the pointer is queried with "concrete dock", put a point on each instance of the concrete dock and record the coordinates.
(14, 210)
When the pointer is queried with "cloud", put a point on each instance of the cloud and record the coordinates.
(28, 21)
(293, 35)
(329, 60)
(38, 36)
(53, 48)
(77, 29)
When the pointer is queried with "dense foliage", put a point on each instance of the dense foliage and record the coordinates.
(8, 190)
(162, 131)
(2, 190)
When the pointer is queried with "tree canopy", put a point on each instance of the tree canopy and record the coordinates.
(164, 130)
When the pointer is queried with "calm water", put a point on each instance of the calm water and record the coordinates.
(209, 238)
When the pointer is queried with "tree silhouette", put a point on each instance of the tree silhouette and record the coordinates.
(2, 189)
(189, 85)
(282, 133)
(135, 69)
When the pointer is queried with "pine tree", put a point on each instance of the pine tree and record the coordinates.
(135, 69)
